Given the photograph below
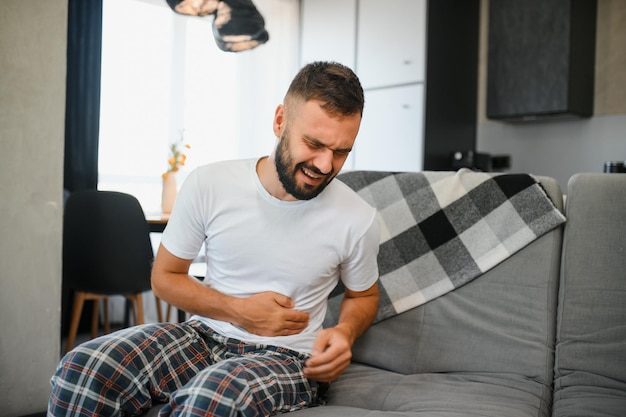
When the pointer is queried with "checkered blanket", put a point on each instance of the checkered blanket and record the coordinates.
(441, 230)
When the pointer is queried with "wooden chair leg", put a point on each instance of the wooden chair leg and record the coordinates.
(139, 302)
(168, 311)
(77, 309)
(136, 306)
(159, 311)
(94, 317)
(133, 310)
(107, 326)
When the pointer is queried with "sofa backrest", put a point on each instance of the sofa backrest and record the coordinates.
(503, 321)
(590, 370)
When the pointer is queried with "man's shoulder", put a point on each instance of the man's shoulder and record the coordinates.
(345, 200)
(231, 165)
(224, 171)
(344, 190)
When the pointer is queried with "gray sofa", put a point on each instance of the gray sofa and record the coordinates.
(542, 333)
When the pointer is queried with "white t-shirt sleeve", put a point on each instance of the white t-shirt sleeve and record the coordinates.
(360, 271)
(185, 231)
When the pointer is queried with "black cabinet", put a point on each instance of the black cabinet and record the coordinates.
(541, 59)
(451, 81)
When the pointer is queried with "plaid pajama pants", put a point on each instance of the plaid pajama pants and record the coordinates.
(196, 371)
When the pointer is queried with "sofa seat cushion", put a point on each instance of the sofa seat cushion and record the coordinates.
(368, 391)
(589, 395)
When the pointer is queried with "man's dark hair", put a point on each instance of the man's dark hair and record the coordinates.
(336, 86)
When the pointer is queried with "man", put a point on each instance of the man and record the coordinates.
(279, 234)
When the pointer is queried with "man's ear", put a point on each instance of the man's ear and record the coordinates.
(279, 120)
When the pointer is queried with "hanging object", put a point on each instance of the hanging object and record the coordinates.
(237, 24)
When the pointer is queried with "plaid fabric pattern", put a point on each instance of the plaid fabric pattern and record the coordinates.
(197, 371)
(441, 230)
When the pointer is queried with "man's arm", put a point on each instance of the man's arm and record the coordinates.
(265, 314)
(332, 350)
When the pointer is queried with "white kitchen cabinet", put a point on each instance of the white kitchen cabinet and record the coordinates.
(389, 138)
(418, 63)
(328, 31)
(391, 42)
(384, 42)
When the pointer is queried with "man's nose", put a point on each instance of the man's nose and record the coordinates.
(324, 161)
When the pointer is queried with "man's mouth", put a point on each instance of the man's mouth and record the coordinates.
(311, 174)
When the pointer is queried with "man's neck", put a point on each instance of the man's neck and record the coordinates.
(266, 170)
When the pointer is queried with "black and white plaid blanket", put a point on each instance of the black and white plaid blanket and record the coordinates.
(441, 230)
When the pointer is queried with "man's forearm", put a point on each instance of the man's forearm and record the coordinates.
(358, 310)
(332, 349)
(172, 283)
(189, 294)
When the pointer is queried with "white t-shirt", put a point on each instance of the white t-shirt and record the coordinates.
(255, 242)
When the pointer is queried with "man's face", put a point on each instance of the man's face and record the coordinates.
(288, 171)
(312, 149)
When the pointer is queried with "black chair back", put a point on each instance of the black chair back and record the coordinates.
(106, 244)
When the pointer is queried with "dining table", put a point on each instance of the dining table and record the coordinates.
(157, 221)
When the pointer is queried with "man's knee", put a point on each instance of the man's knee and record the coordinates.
(238, 387)
(94, 379)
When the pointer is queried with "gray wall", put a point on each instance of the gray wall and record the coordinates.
(560, 149)
(32, 114)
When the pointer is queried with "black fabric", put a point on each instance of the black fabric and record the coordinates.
(82, 105)
(82, 111)
(437, 230)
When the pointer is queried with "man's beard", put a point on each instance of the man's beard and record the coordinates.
(284, 163)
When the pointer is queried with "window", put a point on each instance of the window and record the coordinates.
(163, 77)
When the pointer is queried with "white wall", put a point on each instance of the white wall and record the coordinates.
(560, 149)
(32, 115)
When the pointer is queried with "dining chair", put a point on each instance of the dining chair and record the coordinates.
(106, 251)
